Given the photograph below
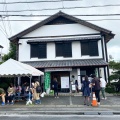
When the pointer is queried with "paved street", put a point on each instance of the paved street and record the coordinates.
(68, 117)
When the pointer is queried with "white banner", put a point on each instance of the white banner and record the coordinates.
(65, 82)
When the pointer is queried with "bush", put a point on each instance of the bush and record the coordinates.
(110, 89)
(4, 86)
(116, 86)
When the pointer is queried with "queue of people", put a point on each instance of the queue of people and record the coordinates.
(95, 85)
(14, 93)
(33, 93)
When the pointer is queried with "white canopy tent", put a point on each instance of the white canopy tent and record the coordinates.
(13, 68)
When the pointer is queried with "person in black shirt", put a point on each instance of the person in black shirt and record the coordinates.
(96, 84)
(55, 87)
(76, 85)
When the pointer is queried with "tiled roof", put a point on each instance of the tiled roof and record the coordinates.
(65, 39)
(108, 33)
(67, 63)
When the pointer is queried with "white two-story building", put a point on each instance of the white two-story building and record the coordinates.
(64, 46)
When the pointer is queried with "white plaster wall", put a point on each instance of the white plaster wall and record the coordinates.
(50, 51)
(56, 30)
(100, 49)
(76, 54)
(24, 52)
(65, 29)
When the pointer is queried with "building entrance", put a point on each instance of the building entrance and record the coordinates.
(60, 76)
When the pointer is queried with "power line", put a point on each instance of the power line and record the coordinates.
(62, 8)
(39, 1)
(85, 20)
(9, 25)
(29, 8)
(22, 15)
(4, 26)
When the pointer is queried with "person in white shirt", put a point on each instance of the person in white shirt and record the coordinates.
(103, 85)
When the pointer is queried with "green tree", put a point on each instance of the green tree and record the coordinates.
(115, 66)
(11, 54)
(115, 74)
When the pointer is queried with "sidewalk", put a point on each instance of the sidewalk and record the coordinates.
(63, 105)
(66, 100)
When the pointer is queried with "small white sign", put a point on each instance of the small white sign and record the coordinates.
(64, 82)
(73, 88)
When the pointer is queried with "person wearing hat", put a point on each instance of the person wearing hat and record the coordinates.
(2, 94)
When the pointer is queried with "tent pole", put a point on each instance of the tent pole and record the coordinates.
(29, 101)
(30, 81)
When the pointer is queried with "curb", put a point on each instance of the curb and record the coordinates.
(59, 106)
(6, 113)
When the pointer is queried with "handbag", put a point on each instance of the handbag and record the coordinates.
(43, 94)
(82, 87)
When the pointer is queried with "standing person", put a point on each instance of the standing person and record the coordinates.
(10, 94)
(37, 91)
(103, 85)
(96, 84)
(27, 92)
(90, 86)
(86, 90)
(76, 85)
(32, 90)
(55, 84)
(23, 88)
(18, 91)
(2, 94)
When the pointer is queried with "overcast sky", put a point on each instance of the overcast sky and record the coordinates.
(8, 29)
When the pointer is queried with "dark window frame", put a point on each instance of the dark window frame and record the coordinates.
(42, 53)
(39, 52)
(89, 47)
(33, 50)
(63, 49)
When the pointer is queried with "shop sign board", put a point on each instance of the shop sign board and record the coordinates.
(47, 80)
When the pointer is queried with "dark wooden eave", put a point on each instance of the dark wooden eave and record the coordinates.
(109, 35)
(63, 39)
